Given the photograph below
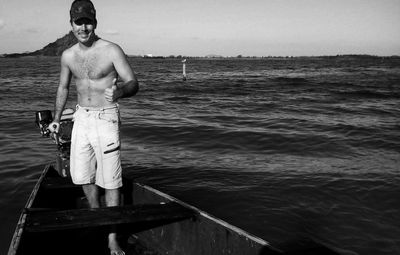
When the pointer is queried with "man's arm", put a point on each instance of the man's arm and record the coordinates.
(130, 85)
(62, 91)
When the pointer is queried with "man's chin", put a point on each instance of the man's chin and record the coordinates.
(84, 39)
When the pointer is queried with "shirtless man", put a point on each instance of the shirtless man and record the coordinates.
(95, 65)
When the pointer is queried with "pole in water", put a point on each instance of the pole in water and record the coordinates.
(184, 69)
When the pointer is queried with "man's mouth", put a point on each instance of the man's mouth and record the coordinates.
(84, 34)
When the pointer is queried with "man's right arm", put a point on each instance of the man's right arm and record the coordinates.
(63, 89)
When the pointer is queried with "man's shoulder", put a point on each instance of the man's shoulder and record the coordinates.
(68, 55)
(105, 44)
(112, 49)
(70, 51)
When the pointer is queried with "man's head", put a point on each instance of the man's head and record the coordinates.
(82, 9)
(83, 21)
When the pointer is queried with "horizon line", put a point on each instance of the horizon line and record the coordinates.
(27, 54)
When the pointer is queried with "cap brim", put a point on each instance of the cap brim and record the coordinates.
(82, 16)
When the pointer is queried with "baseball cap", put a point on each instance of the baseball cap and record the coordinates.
(82, 9)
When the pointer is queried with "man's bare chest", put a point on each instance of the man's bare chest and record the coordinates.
(91, 66)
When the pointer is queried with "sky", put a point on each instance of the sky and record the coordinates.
(221, 27)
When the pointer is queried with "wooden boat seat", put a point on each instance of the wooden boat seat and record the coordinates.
(140, 215)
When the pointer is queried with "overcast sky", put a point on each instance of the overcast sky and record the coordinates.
(223, 27)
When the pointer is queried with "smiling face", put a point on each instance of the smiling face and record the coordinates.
(83, 30)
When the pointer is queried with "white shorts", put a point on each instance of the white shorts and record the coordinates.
(95, 147)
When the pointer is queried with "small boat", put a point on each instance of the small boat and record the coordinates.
(57, 220)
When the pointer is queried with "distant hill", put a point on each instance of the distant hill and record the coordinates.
(52, 49)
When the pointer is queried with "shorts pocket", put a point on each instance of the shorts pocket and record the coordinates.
(76, 114)
(110, 117)
(112, 149)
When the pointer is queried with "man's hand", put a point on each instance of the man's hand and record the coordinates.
(112, 94)
(54, 127)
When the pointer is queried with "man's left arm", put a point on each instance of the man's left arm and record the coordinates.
(130, 85)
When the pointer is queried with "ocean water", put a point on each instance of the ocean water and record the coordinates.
(289, 149)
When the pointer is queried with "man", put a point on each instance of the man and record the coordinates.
(95, 146)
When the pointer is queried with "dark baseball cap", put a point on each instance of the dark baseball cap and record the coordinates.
(82, 9)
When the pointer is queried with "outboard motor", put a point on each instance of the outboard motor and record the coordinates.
(62, 139)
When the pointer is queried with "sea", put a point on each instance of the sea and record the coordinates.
(293, 150)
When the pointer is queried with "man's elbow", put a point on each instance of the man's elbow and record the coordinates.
(133, 87)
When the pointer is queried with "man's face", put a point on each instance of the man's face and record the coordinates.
(83, 29)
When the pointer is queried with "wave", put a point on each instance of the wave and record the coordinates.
(368, 94)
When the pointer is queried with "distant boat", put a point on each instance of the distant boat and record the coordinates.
(213, 56)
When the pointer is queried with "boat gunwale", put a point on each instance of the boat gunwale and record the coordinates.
(208, 216)
(15, 241)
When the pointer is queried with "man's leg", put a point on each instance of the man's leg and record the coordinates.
(113, 199)
(109, 165)
(92, 194)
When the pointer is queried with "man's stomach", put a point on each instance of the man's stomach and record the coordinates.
(91, 93)
(90, 101)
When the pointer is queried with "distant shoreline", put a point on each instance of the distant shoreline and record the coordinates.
(56, 48)
(348, 56)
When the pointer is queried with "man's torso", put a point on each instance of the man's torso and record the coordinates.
(93, 71)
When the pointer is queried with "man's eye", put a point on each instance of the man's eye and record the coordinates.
(80, 22)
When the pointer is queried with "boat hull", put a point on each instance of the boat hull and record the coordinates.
(204, 234)
(56, 220)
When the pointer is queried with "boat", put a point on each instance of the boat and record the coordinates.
(57, 219)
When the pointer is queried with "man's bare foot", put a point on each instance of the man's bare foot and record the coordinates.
(113, 245)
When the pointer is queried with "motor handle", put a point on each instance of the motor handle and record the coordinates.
(56, 136)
